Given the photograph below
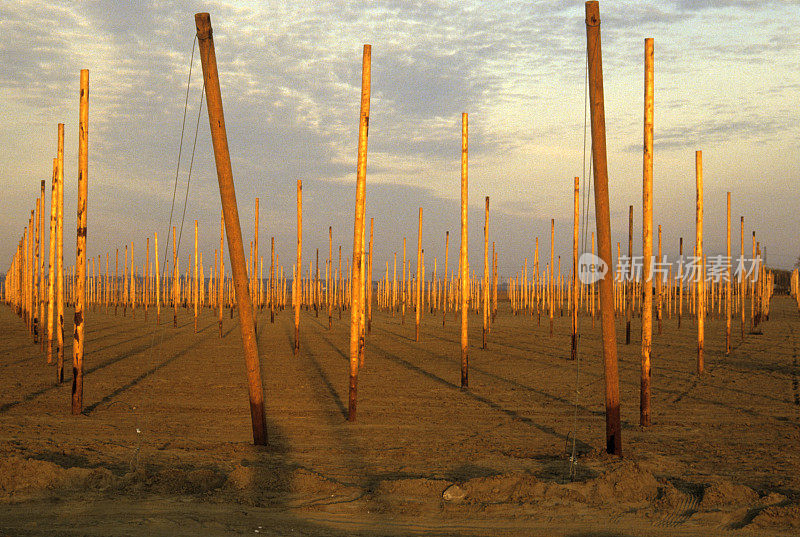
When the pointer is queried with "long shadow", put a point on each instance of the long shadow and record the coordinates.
(32, 395)
(309, 353)
(514, 383)
(130, 384)
(384, 353)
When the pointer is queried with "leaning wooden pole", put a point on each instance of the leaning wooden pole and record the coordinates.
(80, 248)
(357, 270)
(603, 217)
(232, 227)
(647, 236)
(700, 283)
(464, 258)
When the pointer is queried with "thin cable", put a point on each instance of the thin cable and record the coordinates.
(145, 415)
(572, 459)
(180, 147)
(191, 163)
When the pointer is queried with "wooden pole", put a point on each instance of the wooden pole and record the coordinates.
(464, 258)
(51, 290)
(175, 283)
(234, 232)
(629, 286)
(680, 282)
(602, 212)
(698, 156)
(221, 274)
(298, 273)
(446, 261)
(659, 286)
(485, 285)
(356, 279)
(550, 288)
(728, 280)
(331, 276)
(369, 279)
(418, 289)
(60, 259)
(80, 248)
(196, 278)
(742, 284)
(158, 279)
(575, 236)
(647, 236)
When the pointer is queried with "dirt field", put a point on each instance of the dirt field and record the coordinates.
(164, 446)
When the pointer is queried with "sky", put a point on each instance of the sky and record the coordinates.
(726, 83)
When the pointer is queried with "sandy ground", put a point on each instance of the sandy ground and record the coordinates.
(164, 445)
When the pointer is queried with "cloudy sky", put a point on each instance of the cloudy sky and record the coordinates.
(726, 82)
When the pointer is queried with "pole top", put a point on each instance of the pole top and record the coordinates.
(593, 13)
(203, 23)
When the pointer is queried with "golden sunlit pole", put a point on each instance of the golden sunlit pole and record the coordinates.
(298, 273)
(728, 280)
(485, 285)
(575, 235)
(51, 291)
(700, 280)
(418, 289)
(647, 237)
(80, 248)
(60, 259)
(356, 338)
(464, 258)
(196, 278)
(158, 279)
(629, 286)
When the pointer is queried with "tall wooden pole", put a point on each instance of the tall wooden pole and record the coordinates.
(550, 286)
(60, 259)
(369, 278)
(233, 229)
(575, 235)
(418, 288)
(602, 214)
(196, 294)
(659, 286)
(51, 290)
(464, 258)
(331, 276)
(647, 236)
(742, 284)
(80, 248)
(630, 283)
(728, 295)
(485, 285)
(255, 278)
(698, 161)
(221, 273)
(356, 280)
(158, 280)
(298, 273)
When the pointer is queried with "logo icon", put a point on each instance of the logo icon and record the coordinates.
(591, 268)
